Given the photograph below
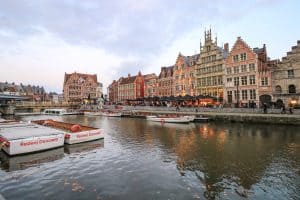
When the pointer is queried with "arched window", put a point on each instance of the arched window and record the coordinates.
(292, 89)
(278, 89)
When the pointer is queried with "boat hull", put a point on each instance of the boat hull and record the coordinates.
(84, 136)
(32, 144)
(168, 119)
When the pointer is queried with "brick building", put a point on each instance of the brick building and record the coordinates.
(165, 82)
(183, 75)
(210, 68)
(247, 76)
(113, 91)
(150, 85)
(286, 78)
(131, 87)
(80, 87)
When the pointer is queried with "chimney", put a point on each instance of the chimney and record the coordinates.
(128, 75)
(298, 42)
(226, 47)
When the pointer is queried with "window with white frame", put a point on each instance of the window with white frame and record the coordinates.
(243, 56)
(244, 68)
(252, 79)
(236, 81)
(244, 80)
(235, 58)
(236, 69)
(251, 67)
(252, 94)
(244, 95)
(264, 81)
(229, 70)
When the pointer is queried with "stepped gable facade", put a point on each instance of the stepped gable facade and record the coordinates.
(286, 78)
(210, 68)
(165, 82)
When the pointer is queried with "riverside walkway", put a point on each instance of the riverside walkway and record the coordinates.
(273, 116)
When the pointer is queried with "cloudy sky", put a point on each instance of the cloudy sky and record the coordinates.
(40, 40)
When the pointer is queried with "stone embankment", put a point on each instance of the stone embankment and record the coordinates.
(273, 116)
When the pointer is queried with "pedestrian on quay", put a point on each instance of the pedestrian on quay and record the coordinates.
(291, 109)
(283, 111)
(265, 108)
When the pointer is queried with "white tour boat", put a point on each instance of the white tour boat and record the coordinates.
(112, 114)
(168, 119)
(90, 113)
(58, 111)
(20, 138)
(74, 133)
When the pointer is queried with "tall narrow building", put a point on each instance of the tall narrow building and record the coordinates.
(210, 68)
(286, 78)
(247, 76)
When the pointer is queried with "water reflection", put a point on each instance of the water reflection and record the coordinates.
(13, 163)
(230, 157)
(142, 160)
(84, 147)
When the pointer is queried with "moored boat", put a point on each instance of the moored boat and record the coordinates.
(21, 138)
(74, 133)
(201, 119)
(168, 119)
(59, 111)
(91, 113)
(112, 114)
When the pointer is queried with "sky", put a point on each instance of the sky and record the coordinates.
(42, 40)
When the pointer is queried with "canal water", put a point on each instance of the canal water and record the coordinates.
(147, 160)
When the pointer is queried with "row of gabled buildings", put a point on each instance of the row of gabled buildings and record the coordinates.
(242, 76)
(34, 93)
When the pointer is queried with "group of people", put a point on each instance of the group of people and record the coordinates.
(282, 109)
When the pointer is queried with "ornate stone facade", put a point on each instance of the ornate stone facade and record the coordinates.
(79, 87)
(286, 78)
(210, 68)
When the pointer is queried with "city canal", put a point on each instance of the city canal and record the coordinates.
(143, 160)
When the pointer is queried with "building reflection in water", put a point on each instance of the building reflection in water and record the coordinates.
(229, 156)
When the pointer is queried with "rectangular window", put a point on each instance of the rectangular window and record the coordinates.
(220, 80)
(208, 81)
(243, 56)
(229, 80)
(203, 82)
(244, 68)
(291, 73)
(252, 94)
(235, 58)
(252, 79)
(236, 69)
(264, 81)
(237, 95)
(214, 80)
(236, 81)
(251, 67)
(244, 80)
(244, 95)
(228, 70)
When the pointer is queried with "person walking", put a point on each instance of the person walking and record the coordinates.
(265, 108)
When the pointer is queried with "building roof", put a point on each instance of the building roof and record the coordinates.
(80, 75)
(127, 80)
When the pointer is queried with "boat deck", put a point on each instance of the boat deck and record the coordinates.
(16, 131)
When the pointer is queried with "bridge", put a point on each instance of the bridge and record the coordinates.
(9, 104)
